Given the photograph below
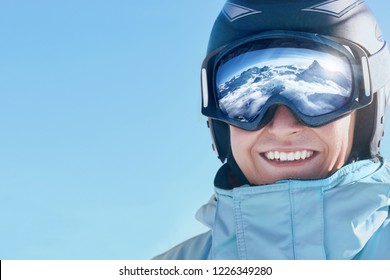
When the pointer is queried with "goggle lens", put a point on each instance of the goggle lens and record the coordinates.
(314, 82)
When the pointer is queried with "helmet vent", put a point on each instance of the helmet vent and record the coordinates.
(234, 11)
(335, 8)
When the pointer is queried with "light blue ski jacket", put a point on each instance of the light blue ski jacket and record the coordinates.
(345, 216)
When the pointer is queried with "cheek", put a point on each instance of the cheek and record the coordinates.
(338, 138)
(343, 134)
(241, 140)
(242, 143)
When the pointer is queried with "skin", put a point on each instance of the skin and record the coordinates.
(330, 146)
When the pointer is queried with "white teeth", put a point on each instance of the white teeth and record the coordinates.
(291, 156)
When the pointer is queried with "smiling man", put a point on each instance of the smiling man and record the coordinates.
(287, 149)
(296, 94)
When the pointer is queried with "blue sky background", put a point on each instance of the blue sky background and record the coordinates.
(103, 151)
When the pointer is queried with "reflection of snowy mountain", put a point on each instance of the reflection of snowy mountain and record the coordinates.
(313, 90)
(316, 73)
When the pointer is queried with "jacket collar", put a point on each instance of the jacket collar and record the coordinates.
(331, 218)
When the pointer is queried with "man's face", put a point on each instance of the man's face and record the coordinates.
(287, 149)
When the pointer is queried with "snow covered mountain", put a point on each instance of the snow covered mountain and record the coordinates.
(314, 90)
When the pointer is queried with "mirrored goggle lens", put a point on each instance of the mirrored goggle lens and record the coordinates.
(314, 82)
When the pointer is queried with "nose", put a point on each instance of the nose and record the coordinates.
(284, 123)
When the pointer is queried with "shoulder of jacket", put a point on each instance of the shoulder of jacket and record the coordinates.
(387, 164)
(195, 248)
(386, 170)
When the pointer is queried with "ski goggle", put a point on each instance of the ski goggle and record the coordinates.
(318, 79)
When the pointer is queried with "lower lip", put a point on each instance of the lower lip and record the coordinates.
(289, 163)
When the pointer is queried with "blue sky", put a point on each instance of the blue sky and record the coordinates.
(103, 151)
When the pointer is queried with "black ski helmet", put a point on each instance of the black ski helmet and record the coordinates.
(350, 20)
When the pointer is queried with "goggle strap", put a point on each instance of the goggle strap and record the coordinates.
(379, 68)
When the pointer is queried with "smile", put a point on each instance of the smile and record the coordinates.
(290, 156)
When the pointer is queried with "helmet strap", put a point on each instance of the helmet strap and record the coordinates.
(364, 129)
(230, 175)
